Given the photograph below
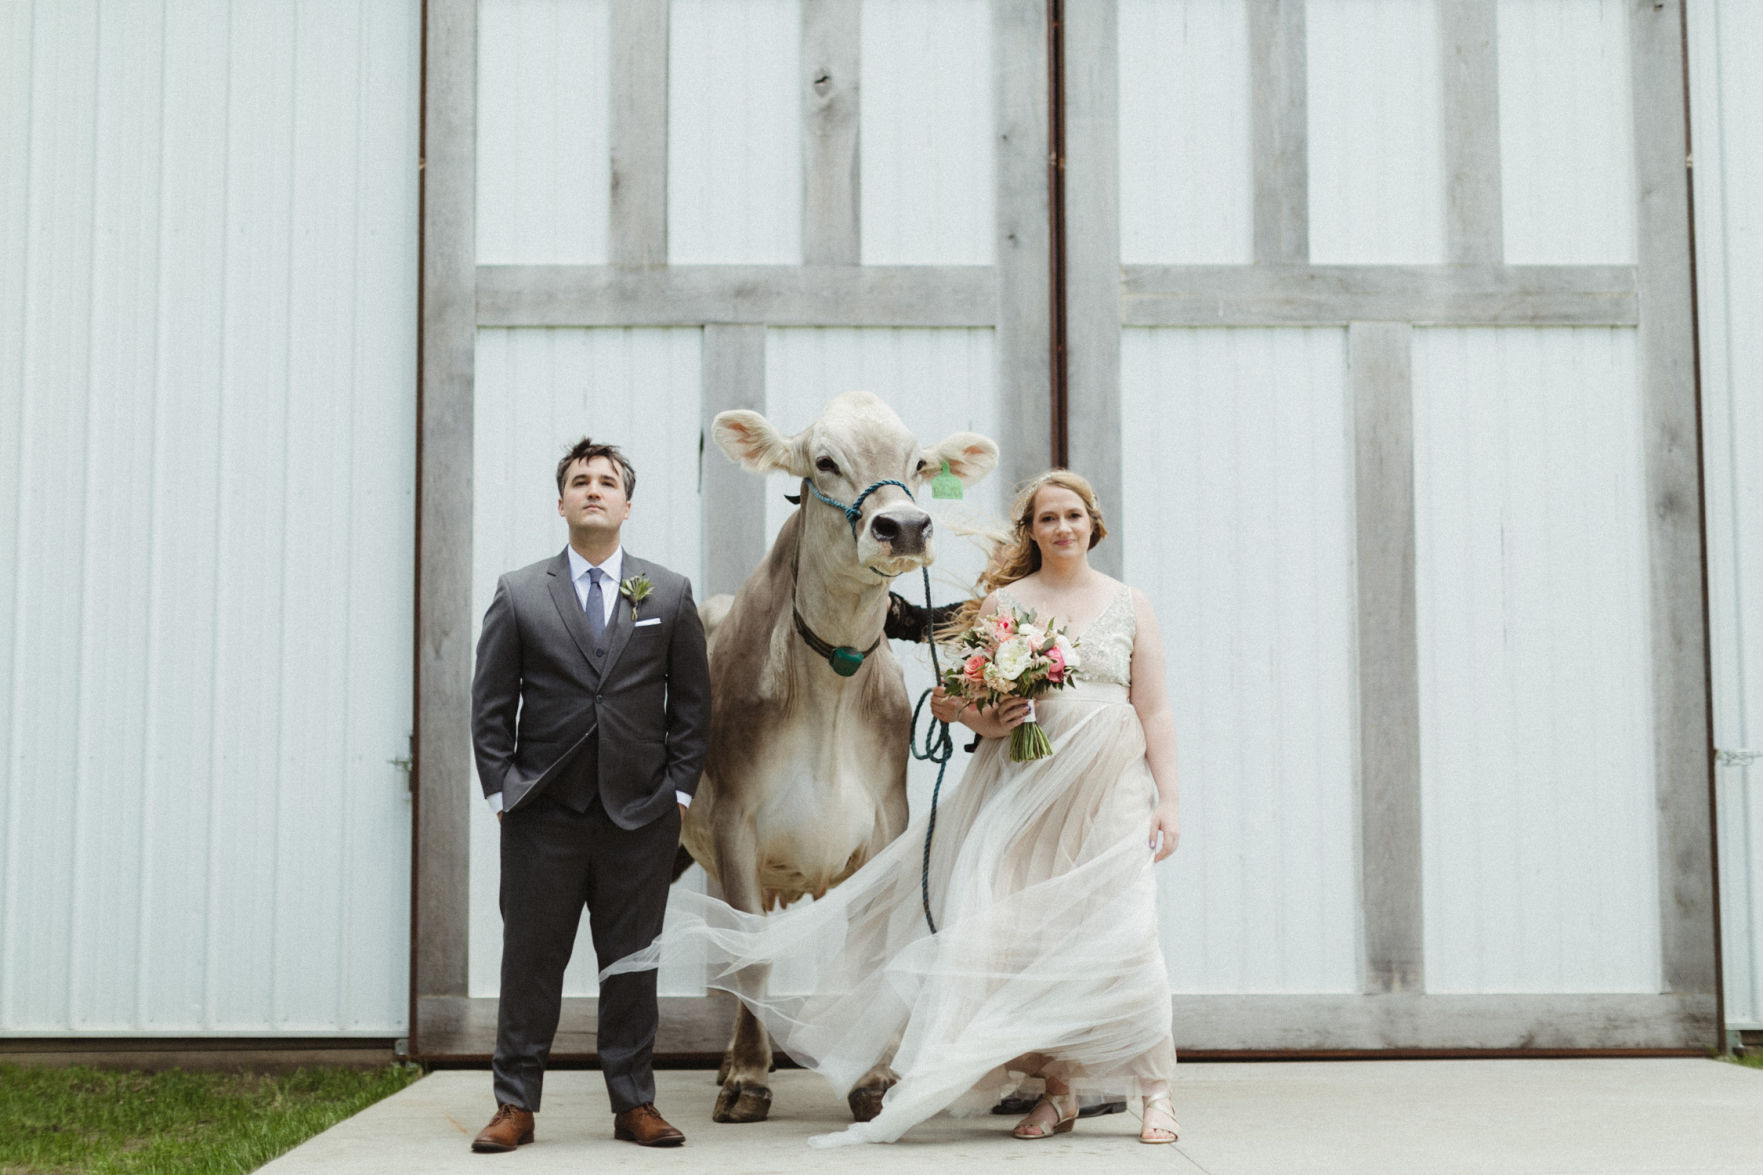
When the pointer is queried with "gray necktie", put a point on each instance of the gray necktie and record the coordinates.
(596, 604)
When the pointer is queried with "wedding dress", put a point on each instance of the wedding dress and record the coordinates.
(1046, 957)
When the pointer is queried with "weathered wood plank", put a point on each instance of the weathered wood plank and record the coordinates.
(639, 132)
(1391, 912)
(1248, 295)
(1405, 1023)
(1681, 716)
(733, 376)
(1021, 292)
(1279, 122)
(773, 295)
(832, 185)
(443, 773)
(1468, 42)
(1092, 257)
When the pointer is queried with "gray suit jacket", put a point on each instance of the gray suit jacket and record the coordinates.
(540, 692)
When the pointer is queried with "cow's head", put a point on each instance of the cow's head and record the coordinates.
(856, 444)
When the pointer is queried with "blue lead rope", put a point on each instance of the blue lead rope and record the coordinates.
(937, 748)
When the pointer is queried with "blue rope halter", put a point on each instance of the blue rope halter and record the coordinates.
(855, 510)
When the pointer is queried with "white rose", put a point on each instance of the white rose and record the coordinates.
(1013, 657)
(1065, 650)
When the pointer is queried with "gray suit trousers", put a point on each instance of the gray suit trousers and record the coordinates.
(555, 863)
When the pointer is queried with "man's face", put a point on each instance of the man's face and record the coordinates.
(593, 500)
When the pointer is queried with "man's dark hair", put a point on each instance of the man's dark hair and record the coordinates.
(586, 450)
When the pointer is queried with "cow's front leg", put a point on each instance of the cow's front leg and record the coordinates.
(746, 1092)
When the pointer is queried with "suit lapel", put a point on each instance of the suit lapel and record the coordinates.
(618, 632)
(569, 607)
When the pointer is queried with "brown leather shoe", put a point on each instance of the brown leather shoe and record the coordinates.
(645, 1126)
(511, 1127)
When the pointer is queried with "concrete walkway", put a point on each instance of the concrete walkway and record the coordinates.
(1585, 1117)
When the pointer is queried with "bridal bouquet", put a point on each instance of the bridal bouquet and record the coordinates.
(1010, 654)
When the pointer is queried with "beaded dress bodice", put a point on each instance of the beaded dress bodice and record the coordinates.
(1104, 648)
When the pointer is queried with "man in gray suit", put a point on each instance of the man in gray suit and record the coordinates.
(590, 714)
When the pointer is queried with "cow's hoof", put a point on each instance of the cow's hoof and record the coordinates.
(724, 1071)
(866, 1100)
(739, 1102)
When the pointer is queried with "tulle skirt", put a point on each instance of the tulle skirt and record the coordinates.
(1045, 961)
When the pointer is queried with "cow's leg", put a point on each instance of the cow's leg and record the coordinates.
(746, 1092)
(865, 1098)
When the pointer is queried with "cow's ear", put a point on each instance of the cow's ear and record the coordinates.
(751, 442)
(970, 456)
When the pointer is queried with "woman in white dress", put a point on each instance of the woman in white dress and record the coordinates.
(1046, 960)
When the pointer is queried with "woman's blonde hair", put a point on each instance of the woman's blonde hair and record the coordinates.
(1017, 555)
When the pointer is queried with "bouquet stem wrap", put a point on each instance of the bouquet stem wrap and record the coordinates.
(1028, 741)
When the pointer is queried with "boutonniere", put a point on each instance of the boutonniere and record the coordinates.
(636, 590)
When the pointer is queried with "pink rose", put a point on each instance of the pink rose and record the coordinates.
(1003, 626)
(974, 672)
(1056, 664)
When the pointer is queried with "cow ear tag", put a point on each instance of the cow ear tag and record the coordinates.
(845, 661)
(945, 484)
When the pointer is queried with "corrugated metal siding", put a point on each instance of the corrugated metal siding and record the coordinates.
(543, 169)
(1566, 132)
(1237, 476)
(209, 363)
(1726, 106)
(926, 133)
(1376, 145)
(539, 391)
(734, 132)
(1185, 183)
(1539, 860)
(939, 382)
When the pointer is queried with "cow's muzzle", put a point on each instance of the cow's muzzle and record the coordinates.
(904, 534)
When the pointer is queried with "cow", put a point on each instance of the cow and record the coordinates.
(806, 775)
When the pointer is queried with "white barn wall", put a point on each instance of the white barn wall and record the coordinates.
(1237, 483)
(1185, 184)
(207, 364)
(1726, 104)
(1376, 141)
(1539, 851)
(925, 138)
(538, 391)
(1566, 132)
(734, 132)
(544, 168)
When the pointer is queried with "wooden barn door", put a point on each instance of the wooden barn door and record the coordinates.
(641, 213)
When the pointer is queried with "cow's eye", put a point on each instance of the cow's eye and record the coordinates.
(827, 465)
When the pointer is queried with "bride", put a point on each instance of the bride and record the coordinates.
(1045, 961)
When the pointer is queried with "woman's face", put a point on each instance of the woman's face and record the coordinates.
(1060, 524)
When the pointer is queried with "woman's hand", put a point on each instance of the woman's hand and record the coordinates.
(988, 721)
(1165, 819)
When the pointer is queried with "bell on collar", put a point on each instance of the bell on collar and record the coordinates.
(845, 661)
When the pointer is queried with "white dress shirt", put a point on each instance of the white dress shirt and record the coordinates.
(610, 577)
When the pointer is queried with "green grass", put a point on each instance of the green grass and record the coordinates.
(1753, 1058)
(58, 1121)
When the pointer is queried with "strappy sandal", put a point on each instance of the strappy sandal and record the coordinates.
(1158, 1134)
(1032, 1127)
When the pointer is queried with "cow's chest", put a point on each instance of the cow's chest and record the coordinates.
(823, 806)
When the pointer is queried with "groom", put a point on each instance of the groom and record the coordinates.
(590, 713)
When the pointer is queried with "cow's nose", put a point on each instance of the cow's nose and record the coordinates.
(904, 534)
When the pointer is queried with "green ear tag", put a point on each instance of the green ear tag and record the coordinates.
(945, 484)
(845, 661)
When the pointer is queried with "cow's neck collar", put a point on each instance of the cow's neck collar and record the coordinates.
(844, 660)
